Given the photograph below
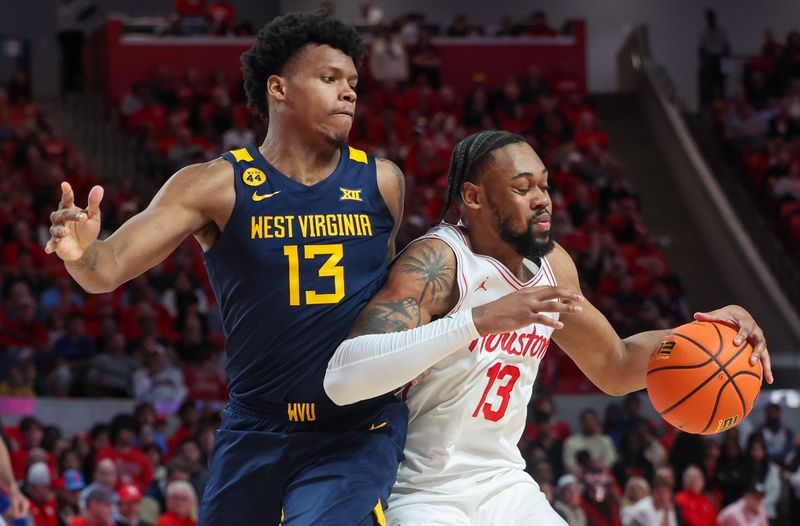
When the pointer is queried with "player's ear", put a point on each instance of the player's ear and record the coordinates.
(471, 195)
(276, 87)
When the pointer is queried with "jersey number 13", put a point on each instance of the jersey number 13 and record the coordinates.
(329, 269)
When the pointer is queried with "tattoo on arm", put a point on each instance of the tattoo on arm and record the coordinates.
(432, 266)
(388, 316)
(428, 263)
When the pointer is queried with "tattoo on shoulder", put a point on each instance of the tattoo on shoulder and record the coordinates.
(431, 264)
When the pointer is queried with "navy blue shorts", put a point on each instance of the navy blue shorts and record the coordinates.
(265, 471)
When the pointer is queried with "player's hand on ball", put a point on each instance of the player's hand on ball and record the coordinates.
(73, 229)
(524, 307)
(749, 331)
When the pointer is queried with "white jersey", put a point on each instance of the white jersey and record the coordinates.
(467, 415)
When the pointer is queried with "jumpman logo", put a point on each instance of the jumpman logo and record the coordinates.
(482, 286)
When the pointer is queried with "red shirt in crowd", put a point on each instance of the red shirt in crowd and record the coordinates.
(19, 463)
(190, 7)
(44, 513)
(170, 519)
(180, 434)
(80, 521)
(222, 13)
(696, 508)
(132, 465)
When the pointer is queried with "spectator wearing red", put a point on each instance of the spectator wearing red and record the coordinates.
(695, 508)
(544, 409)
(187, 414)
(99, 509)
(539, 27)
(129, 498)
(133, 466)
(181, 499)
(31, 435)
(43, 505)
(22, 241)
(190, 7)
(221, 17)
(587, 134)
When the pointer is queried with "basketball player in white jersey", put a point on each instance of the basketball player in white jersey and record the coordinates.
(499, 289)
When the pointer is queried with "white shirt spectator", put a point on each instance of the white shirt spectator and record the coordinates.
(236, 138)
(388, 61)
(644, 513)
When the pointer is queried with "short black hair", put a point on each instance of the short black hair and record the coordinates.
(469, 156)
(123, 422)
(280, 41)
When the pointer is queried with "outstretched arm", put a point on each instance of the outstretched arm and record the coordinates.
(189, 201)
(619, 366)
(394, 340)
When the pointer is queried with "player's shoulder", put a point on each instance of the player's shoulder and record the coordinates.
(209, 178)
(430, 255)
(562, 264)
(392, 186)
(389, 173)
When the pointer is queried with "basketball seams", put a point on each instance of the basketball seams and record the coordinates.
(722, 368)
(716, 404)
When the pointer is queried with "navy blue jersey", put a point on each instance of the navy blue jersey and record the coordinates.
(292, 269)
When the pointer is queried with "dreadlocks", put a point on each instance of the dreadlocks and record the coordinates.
(469, 156)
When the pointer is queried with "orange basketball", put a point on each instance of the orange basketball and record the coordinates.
(699, 381)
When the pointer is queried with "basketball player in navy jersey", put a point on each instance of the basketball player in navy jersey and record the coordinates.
(297, 235)
(465, 304)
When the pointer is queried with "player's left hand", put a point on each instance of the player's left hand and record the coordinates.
(749, 330)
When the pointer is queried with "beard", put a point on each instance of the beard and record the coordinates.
(525, 243)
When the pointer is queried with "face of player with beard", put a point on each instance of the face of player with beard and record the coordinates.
(519, 200)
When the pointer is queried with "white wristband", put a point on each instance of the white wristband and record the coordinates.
(374, 364)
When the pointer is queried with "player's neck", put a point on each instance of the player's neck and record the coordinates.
(487, 243)
(305, 161)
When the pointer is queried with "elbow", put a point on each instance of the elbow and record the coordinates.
(97, 288)
(336, 389)
(615, 387)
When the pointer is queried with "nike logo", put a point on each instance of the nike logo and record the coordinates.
(257, 197)
(373, 427)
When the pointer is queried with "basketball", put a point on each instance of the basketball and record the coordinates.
(699, 381)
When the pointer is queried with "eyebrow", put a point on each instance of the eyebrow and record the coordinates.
(528, 174)
(340, 70)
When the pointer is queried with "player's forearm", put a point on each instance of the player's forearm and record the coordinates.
(371, 365)
(632, 367)
(7, 481)
(97, 270)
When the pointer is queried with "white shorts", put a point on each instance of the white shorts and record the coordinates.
(511, 498)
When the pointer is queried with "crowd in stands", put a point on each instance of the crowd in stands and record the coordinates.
(622, 470)
(619, 470)
(761, 128)
(158, 338)
(218, 18)
(127, 472)
(206, 17)
(372, 18)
